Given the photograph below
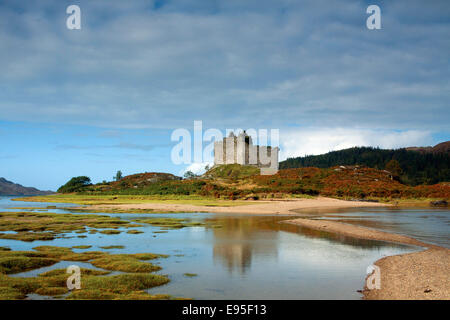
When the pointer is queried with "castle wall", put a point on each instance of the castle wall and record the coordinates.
(252, 155)
(218, 152)
(230, 150)
(241, 150)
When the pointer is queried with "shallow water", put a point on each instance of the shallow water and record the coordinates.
(430, 225)
(249, 257)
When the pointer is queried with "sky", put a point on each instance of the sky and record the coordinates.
(107, 97)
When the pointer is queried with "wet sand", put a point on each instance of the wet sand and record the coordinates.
(356, 231)
(272, 207)
(414, 276)
(417, 276)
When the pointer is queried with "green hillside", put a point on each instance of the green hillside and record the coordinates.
(418, 166)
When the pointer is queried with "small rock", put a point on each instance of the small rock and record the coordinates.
(439, 203)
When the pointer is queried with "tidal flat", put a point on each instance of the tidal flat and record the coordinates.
(31, 226)
(246, 257)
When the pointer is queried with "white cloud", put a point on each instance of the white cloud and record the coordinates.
(197, 167)
(309, 141)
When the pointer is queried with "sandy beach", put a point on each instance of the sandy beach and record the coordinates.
(272, 207)
(421, 275)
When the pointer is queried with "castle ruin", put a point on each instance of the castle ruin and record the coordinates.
(240, 149)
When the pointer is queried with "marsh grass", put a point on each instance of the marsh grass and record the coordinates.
(84, 271)
(127, 262)
(190, 275)
(96, 284)
(110, 231)
(170, 223)
(134, 231)
(120, 287)
(14, 264)
(133, 199)
(28, 236)
(82, 247)
(31, 226)
(113, 247)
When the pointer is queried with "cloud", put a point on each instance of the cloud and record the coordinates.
(230, 63)
(313, 141)
(196, 168)
(120, 145)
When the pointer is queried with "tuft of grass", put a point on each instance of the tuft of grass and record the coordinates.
(16, 264)
(82, 247)
(28, 236)
(110, 231)
(169, 223)
(51, 291)
(113, 247)
(126, 263)
(62, 253)
(7, 293)
(187, 274)
(123, 286)
(134, 231)
(233, 171)
(84, 271)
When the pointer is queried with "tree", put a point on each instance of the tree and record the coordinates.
(75, 184)
(118, 176)
(190, 175)
(393, 166)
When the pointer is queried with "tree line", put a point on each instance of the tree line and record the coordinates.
(412, 167)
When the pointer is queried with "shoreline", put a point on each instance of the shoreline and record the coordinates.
(269, 207)
(418, 275)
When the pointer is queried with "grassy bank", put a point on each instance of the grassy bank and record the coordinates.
(236, 182)
(133, 199)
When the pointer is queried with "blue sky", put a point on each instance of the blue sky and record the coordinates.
(108, 96)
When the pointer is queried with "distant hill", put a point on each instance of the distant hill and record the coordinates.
(420, 165)
(8, 188)
(443, 147)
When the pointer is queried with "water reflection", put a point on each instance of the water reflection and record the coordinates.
(239, 239)
(430, 225)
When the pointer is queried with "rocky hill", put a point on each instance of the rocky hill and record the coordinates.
(8, 188)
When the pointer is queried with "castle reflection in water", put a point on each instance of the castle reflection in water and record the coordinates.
(241, 240)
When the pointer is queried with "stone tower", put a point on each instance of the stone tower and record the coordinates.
(240, 149)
